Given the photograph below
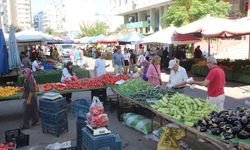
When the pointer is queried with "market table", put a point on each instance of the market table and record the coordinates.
(216, 140)
(18, 95)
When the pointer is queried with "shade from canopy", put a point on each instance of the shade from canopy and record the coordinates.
(13, 52)
(4, 64)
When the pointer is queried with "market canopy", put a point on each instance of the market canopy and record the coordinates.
(32, 36)
(95, 39)
(108, 39)
(167, 36)
(132, 37)
(206, 27)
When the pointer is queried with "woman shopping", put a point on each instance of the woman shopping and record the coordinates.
(30, 104)
(154, 72)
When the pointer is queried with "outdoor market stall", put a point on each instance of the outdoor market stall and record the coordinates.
(184, 122)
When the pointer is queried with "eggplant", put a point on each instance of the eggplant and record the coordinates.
(244, 120)
(232, 118)
(235, 130)
(243, 135)
(214, 114)
(247, 128)
(241, 114)
(204, 122)
(227, 135)
(195, 125)
(221, 119)
(228, 126)
(203, 129)
(224, 113)
(215, 131)
(215, 120)
(237, 123)
(221, 124)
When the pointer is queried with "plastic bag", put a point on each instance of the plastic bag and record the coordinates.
(170, 137)
(99, 121)
(96, 108)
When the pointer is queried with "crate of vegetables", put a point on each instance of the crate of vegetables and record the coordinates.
(16, 136)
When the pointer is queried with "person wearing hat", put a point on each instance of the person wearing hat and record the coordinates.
(178, 75)
(215, 82)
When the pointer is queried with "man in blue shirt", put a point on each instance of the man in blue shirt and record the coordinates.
(117, 61)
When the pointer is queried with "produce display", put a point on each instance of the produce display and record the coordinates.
(134, 85)
(7, 146)
(227, 123)
(8, 91)
(111, 79)
(151, 94)
(184, 108)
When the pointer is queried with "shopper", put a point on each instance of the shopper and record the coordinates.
(30, 104)
(141, 58)
(126, 60)
(178, 76)
(215, 82)
(118, 61)
(132, 61)
(100, 65)
(197, 52)
(67, 74)
(26, 62)
(145, 64)
(37, 65)
(154, 71)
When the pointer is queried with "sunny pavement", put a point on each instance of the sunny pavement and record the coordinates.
(11, 118)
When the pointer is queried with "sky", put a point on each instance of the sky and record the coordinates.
(39, 5)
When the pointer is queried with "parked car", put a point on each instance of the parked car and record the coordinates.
(65, 49)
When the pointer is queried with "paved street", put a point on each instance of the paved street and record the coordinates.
(11, 118)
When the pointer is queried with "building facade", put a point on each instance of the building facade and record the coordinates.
(15, 12)
(145, 15)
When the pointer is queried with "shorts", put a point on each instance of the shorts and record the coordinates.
(118, 69)
(126, 62)
(218, 100)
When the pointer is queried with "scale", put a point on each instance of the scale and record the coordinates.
(98, 131)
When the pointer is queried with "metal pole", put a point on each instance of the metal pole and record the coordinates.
(248, 14)
(208, 46)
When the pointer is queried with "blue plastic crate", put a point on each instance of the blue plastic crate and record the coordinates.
(52, 106)
(80, 107)
(101, 142)
(118, 142)
(80, 124)
(55, 129)
(47, 117)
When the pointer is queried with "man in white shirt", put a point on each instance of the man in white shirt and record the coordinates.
(36, 65)
(178, 75)
(100, 65)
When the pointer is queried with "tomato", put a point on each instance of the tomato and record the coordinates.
(10, 144)
(1, 145)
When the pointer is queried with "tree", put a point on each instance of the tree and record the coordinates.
(93, 29)
(182, 12)
(49, 30)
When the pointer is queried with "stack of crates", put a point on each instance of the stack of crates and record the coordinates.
(79, 109)
(53, 114)
(100, 142)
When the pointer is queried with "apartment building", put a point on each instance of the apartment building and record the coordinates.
(145, 15)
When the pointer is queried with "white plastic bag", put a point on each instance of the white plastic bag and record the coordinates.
(58, 146)
(96, 108)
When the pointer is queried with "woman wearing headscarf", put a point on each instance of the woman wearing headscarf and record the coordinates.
(30, 104)
(67, 74)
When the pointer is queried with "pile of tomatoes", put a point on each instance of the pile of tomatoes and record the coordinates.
(7, 146)
(85, 83)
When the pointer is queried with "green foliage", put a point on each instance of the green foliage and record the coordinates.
(49, 30)
(182, 12)
(93, 29)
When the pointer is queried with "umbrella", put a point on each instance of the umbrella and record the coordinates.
(14, 56)
(109, 39)
(94, 39)
(30, 36)
(133, 37)
(4, 64)
(167, 36)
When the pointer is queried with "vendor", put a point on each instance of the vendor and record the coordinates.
(30, 104)
(37, 65)
(178, 76)
(100, 65)
(67, 74)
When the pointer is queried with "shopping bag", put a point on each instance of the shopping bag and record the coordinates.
(96, 108)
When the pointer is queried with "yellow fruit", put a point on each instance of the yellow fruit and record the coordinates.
(8, 91)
